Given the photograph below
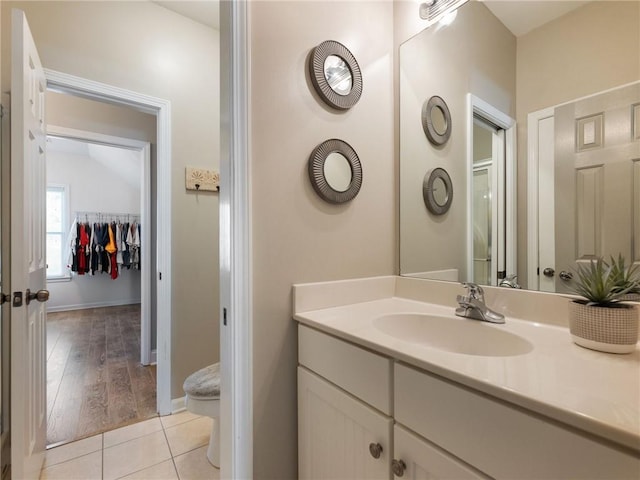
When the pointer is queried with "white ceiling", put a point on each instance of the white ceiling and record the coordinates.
(206, 12)
(519, 16)
(522, 16)
(123, 162)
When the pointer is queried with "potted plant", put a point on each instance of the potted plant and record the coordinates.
(600, 320)
(627, 279)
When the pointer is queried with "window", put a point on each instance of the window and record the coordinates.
(56, 231)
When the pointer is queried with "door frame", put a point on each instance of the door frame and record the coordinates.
(144, 150)
(161, 108)
(236, 309)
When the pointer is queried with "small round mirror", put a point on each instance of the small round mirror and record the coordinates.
(337, 172)
(335, 75)
(338, 75)
(438, 120)
(437, 191)
(440, 192)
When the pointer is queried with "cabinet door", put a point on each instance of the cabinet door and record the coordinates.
(335, 432)
(424, 461)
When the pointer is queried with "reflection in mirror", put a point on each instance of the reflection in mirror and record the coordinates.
(577, 77)
(440, 194)
(337, 172)
(338, 75)
(438, 120)
(483, 204)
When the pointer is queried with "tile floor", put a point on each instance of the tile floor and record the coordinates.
(162, 448)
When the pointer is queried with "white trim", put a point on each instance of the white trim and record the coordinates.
(236, 353)
(478, 106)
(84, 306)
(162, 109)
(533, 120)
(177, 405)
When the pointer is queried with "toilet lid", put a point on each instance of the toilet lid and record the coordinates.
(205, 383)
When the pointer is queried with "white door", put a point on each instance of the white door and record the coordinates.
(596, 175)
(28, 263)
(338, 435)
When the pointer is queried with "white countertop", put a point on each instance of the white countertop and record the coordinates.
(593, 391)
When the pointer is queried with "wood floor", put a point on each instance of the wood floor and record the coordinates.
(95, 381)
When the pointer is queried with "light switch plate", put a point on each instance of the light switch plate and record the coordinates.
(201, 179)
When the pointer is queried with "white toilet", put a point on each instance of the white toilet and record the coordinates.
(202, 397)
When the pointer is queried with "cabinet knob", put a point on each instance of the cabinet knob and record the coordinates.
(375, 449)
(398, 467)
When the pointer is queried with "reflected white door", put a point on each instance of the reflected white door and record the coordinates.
(597, 179)
(28, 263)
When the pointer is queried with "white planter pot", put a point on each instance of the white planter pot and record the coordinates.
(612, 330)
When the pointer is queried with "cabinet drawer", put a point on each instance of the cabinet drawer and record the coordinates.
(362, 373)
(503, 441)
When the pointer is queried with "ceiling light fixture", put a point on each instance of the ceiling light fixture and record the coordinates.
(434, 10)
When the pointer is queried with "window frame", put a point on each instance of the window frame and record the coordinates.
(64, 233)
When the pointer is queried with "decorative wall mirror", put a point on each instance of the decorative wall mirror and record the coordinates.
(436, 120)
(437, 191)
(335, 75)
(335, 171)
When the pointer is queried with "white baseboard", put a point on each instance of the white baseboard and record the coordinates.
(82, 306)
(177, 405)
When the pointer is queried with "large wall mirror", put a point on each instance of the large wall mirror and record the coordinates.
(563, 189)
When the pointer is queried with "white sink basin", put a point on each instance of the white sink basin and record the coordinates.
(453, 334)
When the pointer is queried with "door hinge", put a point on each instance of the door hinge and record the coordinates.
(224, 317)
(159, 275)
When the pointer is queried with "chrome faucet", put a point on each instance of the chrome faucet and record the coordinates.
(510, 281)
(472, 305)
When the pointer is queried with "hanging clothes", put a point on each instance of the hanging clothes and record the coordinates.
(107, 247)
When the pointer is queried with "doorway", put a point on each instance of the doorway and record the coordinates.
(491, 199)
(99, 372)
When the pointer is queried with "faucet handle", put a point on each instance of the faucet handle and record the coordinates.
(474, 290)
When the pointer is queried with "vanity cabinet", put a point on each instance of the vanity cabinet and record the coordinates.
(351, 398)
(345, 427)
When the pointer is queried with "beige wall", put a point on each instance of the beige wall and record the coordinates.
(296, 236)
(590, 49)
(143, 47)
(475, 54)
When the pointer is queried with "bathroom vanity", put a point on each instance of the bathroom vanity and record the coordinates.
(391, 384)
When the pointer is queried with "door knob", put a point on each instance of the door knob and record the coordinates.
(548, 272)
(40, 295)
(4, 298)
(566, 276)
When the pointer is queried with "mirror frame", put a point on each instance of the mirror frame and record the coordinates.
(427, 121)
(316, 71)
(427, 191)
(316, 171)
